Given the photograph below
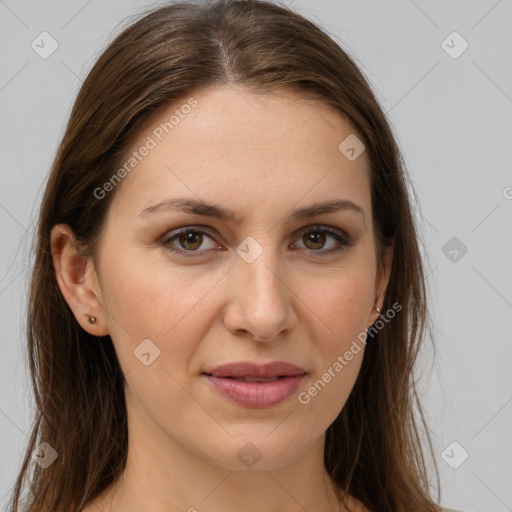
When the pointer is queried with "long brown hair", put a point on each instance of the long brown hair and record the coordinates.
(374, 448)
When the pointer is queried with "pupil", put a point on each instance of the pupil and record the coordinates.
(313, 237)
(317, 239)
(192, 238)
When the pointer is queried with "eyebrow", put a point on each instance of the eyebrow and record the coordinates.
(198, 207)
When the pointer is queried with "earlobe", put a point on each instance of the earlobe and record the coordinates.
(75, 277)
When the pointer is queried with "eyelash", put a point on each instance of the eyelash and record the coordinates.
(339, 236)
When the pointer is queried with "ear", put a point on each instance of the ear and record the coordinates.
(77, 280)
(381, 282)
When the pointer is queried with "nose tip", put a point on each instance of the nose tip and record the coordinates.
(259, 306)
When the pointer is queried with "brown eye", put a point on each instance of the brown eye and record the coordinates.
(191, 240)
(316, 239)
(187, 241)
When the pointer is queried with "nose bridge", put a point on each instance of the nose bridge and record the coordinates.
(258, 268)
(260, 296)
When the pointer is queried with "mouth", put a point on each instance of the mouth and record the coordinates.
(246, 369)
(256, 386)
(252, 379)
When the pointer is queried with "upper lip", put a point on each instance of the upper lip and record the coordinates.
(248, 369)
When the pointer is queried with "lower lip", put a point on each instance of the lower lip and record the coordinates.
(257, 395)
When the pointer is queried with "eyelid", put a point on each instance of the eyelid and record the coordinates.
(340, 235)
(175, 233)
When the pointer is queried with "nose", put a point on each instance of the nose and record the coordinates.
(260, 304)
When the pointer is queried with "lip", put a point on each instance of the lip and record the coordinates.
(256, 395)
(249, 369)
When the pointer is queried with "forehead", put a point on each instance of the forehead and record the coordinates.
(230, 145)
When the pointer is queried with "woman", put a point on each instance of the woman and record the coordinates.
(228, 297)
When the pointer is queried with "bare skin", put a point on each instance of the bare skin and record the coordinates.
(301, 301)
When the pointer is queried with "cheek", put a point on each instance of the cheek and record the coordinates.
(148, 298)
(341, 304)
(339, 312)
(343, 309)
(325, 394)
(148, 293)
(342, 295)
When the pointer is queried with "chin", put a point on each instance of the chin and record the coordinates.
(256, 450)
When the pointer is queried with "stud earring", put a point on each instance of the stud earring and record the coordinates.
(378, 309)
(92, 319)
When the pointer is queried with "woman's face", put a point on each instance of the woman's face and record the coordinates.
(185, 290)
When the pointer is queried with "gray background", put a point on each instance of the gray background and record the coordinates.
(453, 119)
